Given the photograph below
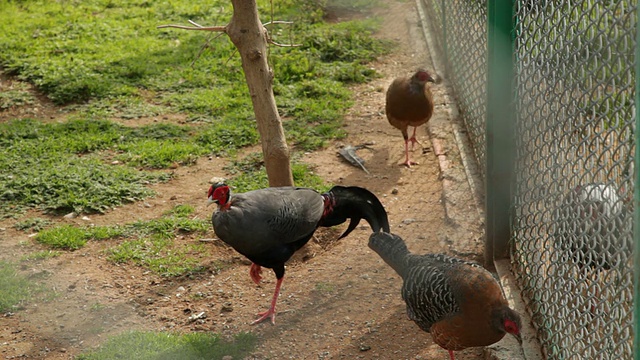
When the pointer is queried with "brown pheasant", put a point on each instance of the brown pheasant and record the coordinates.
(458, 302)
(409, 103)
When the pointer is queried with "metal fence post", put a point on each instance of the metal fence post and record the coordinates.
(500, 125)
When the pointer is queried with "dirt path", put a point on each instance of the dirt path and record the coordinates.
(338, 301)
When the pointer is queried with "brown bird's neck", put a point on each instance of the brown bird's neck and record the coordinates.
(416, 88)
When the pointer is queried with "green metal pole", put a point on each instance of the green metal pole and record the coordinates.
(500, 125)
(636, 204)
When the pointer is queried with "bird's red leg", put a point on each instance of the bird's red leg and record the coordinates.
(407, 162)
(271, 313)
(413, 138)
(255, 272)
(451, 355)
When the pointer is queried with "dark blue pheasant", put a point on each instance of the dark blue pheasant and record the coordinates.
(269, 225)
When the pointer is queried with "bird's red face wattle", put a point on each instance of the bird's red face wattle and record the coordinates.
(424, 76)
(219, 194)
(512, 328)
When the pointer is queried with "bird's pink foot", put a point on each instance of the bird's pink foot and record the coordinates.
(408, 163)
(269, 314)
(414, 141)
(255, 272)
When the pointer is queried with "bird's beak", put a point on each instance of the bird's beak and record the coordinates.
(518, 337)
(432, 79)
(211, 201)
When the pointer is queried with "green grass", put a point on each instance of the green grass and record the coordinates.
(15, 289)
(119, 64)
(249, 174)
(66, 237)
(62, 167)
(32, 224)
(146, 243)
(41, 255)
(138, 345)
(324, 287)
(115, 63)
(153, 247)
(160, 255)
(69, 237)
(16, 95)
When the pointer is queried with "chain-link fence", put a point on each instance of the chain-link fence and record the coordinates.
(461, 30)
(572, 213)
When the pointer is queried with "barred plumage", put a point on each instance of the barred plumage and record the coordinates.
(459, 302)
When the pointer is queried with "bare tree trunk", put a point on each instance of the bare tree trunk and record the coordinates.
(248, 35)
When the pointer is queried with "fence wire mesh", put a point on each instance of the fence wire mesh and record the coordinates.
(461, 28)
(575, 142)
(575, 139)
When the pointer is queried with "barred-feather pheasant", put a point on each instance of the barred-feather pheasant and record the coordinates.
(458, 302)
(269, 225)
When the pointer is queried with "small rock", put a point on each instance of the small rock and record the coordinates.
(86, 218)
(365, 347)
(198, 316)
(147, 205)
(394, 191)
(408, 221)
(71, 215)
(115, 162)
(216, 179)
(181, 289)
(226, 307)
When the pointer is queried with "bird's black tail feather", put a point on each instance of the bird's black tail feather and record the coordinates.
(391, 249)
(354, 203)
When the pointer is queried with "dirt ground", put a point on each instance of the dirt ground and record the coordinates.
(338, 301)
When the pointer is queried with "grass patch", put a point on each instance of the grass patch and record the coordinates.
(139, 345)
(160, 154)
(15, 95)
(66, 237)
(160, 255)
(41, 255)
(116, 63)
(249, 174)
(152, 246)
(15, 289)
(59, 167)
(148, 243)
(119, 64)
(69, 237)
(181, 210)
(324, 287)
(32, 224)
